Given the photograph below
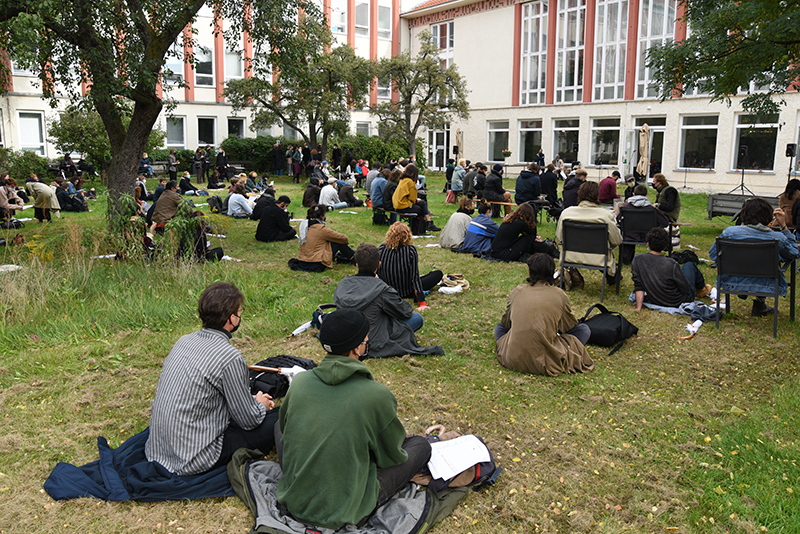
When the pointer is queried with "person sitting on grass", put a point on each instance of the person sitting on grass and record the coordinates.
(453, 233)
(266, 198)
(167, 205)
(203, 410)
(516, 238)
(481, 231)
(319, 245)
(538, 333)
(197, 243)
(400, 266)
(10, 203)
(274, 223)
(346, 195)
(237, 203)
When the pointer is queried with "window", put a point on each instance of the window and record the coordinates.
(204, 67)
(362, 18)
(530, 140)
(611, 41)
(384, 88)
(656, 27)
(176, 133)
(18, 70)
(234, 65)
(206, 130)
(339, 16)
(384, 22)
(236, 128)
(291, 134)
(565, 139)
(362, 128)
(605, 142)
(698, 141)
(534, 53)
(498, 140)
(442, 36)
(569, 50)
(755, 142)
(173, 64)
(31, 131)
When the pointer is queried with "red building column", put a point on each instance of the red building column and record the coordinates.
(373, 45)
(588, 51)
(219, 57)
(396, 37)
(515, 88)
(188, 70)
(7, 62)
(552, 23)
(630, 53)
(351, 23)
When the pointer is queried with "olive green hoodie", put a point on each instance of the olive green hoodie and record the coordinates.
(339, 426)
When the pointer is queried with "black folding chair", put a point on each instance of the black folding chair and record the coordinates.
(584, 238)
(752, 259)
(635, 221)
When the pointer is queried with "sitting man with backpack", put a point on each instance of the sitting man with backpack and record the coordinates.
(343, 450)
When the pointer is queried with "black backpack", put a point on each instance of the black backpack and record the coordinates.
(11, 224)
(215, 204)
(273, 384)
(608, 328)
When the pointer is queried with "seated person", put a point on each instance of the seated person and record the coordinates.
(319, 244)
(185, 186)
(167, 205)
(571, 187)
(265, 199)
(203, 410)
(329, 198)
(538, 333)
(274, 223)
(481, 231)
(392, 180)
(588, 210)
(630, 182)
(667, 198)
(144, 166)
(67, 202)
(493, 189)
(516, 237)
(198, 243)
(787, 199)
(348, 197)
(86, 168)
(67, 167)
(659, 279)
(756, 215)
(237, 203)
(608, 189)
(405, 200)
(141, 182)
(10, 203)
(400, 266)
(249, 181)
(215, 182)
(162, 185)
(528, 186)
(311, 195)
(455, 230)
(343, 450)
(637, 200)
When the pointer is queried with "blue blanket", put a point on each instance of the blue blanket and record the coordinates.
(124, 474)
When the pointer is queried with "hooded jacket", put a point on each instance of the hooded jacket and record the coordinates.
(389, 335)
(493, 188)
(528, 187)
(339, 426)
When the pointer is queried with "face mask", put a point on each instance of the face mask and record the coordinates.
(366, 352)
(235, 328)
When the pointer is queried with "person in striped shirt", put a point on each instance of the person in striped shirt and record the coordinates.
(400, 266)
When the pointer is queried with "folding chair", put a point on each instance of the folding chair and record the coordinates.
(635, 221)
(751, 259)
(584, 238)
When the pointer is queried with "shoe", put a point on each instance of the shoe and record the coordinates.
(432, 227)
(760, 308)
(577, 278)
(704, 292)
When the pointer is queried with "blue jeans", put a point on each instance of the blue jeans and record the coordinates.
(340, 205)
(415, 321)
(694, 277)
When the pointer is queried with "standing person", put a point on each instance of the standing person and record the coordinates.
(493, 189)
(44, 199)
(540, 159)
(608, 189)
(306, 154)
(172, 164)
(538, 333)
(221, 164)
(207, 169)
(528, 186)
(197, 165)
(344, 450)
(319, 244)
(277, 159)
(399, 266)
(405, 198)
(297, 161)
(274, 222)
(203, 410)
(516, 238)
(337, 157)
(457, 181)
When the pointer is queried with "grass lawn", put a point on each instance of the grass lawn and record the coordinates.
(664, 436)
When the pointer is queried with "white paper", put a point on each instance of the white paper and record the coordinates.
(25, 219)
(9, 268)
(228, 258)
(447, 290)
(429, 245)
(426, 236)
(350, 212)
(221, 236)
(449, 458)
(104, 257)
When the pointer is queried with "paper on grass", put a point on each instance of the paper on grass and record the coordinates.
(449, 458)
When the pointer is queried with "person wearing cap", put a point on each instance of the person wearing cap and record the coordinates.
(630, 183)
(274, 222)
(493, 189)
(342, 447)
(203, 410)
(329, 198)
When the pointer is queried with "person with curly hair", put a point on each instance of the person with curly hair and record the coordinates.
(399, 266)
(516, 238)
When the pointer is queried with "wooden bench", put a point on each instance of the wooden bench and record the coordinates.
(238, 166)
(159, 167)
(730, 205)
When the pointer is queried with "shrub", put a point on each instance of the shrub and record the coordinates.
(373, 148)
(258, 151)
(19, 165)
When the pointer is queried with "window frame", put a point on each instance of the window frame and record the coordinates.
(648, 39)
(361, 29)
(243, 123)
(384, 33)
(530, 54)
(683, 128)
(204, 142)
(182, 119)
(605, 48)
(596, 127)
(383, 90)
(338, 7)
(563, 51)
(41, 146)
(566, 128)
(490, 141)
(197, 74)
(360, 126)
(738, 126)
(524, 127)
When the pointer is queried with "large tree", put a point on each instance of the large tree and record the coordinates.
(118, 49)
(427, 93)
(732, 44)
(315, 94)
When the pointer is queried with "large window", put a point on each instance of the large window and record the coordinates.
(173, 64)
(656, 27)
(534, 53)
(362, 18)
(611, 41)
(442, 36)
(698, 141)
(570, 32)
(755, 142)
(290, 134)
(19, 70)
(31, 131)
(204, 66)
(530, 140)
(236, 127)
(339, 16)
(565, 139)
(362, 128)
(176, 133)
(384, 22)
(206, 131)
(384, 88)
(605, 142)
(234, 64)
(498, 140)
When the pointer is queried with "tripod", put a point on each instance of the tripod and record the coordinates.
(742, 157)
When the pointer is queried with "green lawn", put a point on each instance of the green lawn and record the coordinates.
(664, 436)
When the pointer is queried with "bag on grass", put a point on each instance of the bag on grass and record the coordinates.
(274, 384)
(608, 328)
(215, 204)
(11, 223)
(419, 226)
(319, 314)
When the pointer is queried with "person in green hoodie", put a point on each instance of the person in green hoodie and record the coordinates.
(343, 450)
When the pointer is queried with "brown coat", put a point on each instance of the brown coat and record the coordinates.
(317, 247)
(167, 206)
(786, 205)
(537, 317)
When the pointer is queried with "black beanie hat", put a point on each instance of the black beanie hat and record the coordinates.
(343, 331)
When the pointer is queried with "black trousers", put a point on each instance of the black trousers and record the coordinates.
(392, 479)
(522, 248)
(429, 281)
(261, 437)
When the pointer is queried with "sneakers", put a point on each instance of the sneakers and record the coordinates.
(760, 308)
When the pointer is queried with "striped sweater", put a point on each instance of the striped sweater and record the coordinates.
(400, 269)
